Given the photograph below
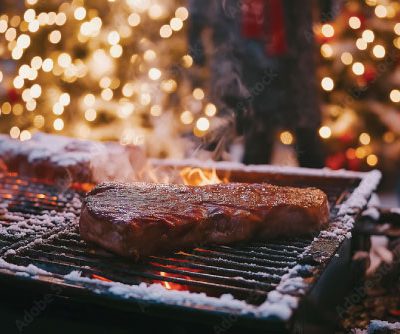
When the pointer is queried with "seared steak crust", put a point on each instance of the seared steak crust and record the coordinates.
(140, 219)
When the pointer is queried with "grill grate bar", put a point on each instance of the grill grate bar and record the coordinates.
(244, 270)
(62, 268)
(273, 254)
(237, 258)
(221, 270)
(228, 263)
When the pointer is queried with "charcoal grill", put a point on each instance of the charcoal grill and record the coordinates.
(39, 227)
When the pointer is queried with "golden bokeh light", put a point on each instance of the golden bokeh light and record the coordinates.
(286, 138)
(364, 138)
(58, 124)
(325, 132)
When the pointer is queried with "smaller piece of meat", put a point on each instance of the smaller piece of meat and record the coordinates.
(66, 160)
(140, 219)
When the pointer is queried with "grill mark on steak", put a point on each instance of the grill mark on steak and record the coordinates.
(140, 219)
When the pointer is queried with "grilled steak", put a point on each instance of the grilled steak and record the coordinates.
(140, 219)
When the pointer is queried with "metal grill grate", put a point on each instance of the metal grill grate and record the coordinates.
(39, 226)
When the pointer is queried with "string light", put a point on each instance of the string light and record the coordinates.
(187, 61)
(10, 34)
(327, 83)
(397, 28)
(23, 41)
(31, 105)
(186, 117)
(198, 94)
(176, 24)
(358, 68)
(33, 26)
(368, 36)
(372, 160)
(36, 62)
(58, 109)
(156, 11)
(325, 132)
(396, 42)
(286, 138)
(47, 65)
(90, 114)
(36, 91)
(6, 108)
(165, 31)
(38, 121)
(65, 99)
(3, 26)
(14, 132)
(182, 13)
(203, 124)
(64, 60)
(60, 19)
(156, 110)
(89, 100)
(380, 11)
(395, 95)
(116, 51)
(326, 50)
(134, 19)
(361, 44)
(25, 135)
(154, 73)
(17, 109)
(210, 110)
(18, 82)
(55, 36)
(29, 15)
(80, 13)
(361, 152)
(346, 58)
(107, 94)
(327, 30)
(58, 124)
(364, 138)
(113, 37)
(379, 51)
(128, 89)
(354, 22)
(149, 55)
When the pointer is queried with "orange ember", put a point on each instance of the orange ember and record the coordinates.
(101, 278)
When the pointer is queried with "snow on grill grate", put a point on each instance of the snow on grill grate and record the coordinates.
(39, 226)
(30, 209)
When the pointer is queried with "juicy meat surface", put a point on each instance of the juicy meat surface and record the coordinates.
(140, 219)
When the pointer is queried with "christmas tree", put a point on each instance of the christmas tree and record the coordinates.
(105, 70)
(360, 79)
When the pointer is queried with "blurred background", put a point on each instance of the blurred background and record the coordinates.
(310, 83)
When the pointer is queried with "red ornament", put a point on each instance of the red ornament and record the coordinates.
(346, 138)
(354, 164)
(369, 74)
(336, 161)
(13, 95)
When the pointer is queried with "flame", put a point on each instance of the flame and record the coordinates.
(200, 177)
(166, 284)
(85, 187)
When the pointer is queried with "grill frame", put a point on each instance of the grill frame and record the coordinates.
(319, 255)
